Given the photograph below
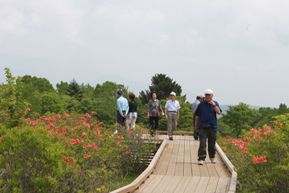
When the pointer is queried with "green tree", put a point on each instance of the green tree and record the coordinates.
(62, 87)
(240, 117)
(39, 84)
(163, 85)
(12, 103)
(51, 103)
(74, 90)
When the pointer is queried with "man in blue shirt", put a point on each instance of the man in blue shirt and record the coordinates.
(122, 109)
(206, 122)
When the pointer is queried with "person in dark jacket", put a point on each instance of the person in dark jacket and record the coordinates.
(132, 112)
(206, 122)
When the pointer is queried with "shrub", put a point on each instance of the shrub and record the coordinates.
(66, 153)
(261, 157)
(30, 161)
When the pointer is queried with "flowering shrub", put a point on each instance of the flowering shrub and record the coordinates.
(261, 157)
(64, 153)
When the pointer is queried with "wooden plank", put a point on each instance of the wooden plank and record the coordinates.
(187, 160)
(171, 188)
(162, 166)
(222, 185)
(194, 159)
(162, 184)
(149, 188)
(204, 168)
(173, 158)
(221, 167)
(192, 185)
(180, 159)
(202, 185)
(212, 185)
(212, 169)
(183, 184)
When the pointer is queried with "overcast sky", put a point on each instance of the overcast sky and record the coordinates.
(238, 48)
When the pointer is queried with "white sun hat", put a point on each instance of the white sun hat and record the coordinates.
(173, 94)
(209, 91)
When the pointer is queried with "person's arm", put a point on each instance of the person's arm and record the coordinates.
(161, 108)
(166, 110)
(216, 107)
(196, 121)
(118, 105)
(126, 108)
(148, 109)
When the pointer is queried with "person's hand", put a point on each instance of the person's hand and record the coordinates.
(212, 103)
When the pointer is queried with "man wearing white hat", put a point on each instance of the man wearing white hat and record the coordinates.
(206, 122)
(172, 114)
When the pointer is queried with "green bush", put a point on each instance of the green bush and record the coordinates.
(30, 161)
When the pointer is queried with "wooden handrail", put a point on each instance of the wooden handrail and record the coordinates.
(230, 166)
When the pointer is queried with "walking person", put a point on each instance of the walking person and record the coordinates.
(132, 113)
(172, 114)
(122, 109)
(154, 112)
(194, 108)
(206, 122)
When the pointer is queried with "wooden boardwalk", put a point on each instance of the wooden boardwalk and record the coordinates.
(174, 169)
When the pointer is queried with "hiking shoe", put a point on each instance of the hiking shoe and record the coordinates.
(213, 160)
(201, 162)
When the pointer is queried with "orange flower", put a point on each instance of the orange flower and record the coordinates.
(119, 140)
(259, 159)
(1, 138)
(86, 156)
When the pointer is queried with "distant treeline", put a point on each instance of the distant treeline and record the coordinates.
(30, 96)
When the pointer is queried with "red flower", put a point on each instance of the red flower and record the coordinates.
(87, 125)
(74, 141)
(240, 144)
(259, 159)
(87, 115)
(1, 138)
(67, 160)
(86, 156)
(59, 116)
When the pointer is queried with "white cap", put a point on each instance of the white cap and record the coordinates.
(209, 91)
(173, 94)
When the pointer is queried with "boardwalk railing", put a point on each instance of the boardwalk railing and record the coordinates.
(230, 166)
